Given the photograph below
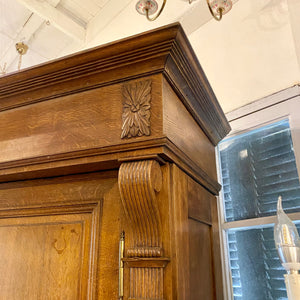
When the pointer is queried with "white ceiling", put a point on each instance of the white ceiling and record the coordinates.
(253, 52)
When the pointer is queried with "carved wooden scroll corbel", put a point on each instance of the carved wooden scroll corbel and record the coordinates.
(139, 183)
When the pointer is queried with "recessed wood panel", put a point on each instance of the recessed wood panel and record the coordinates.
(59, 237)
(57, 194)
(201, 268)
(199, 202)
(45, 257)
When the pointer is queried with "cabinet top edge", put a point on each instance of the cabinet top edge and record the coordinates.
(167, 47)
(115, 49)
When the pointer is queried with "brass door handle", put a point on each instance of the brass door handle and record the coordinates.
(121, 265)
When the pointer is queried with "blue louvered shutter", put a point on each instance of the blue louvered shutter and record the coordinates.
(257, 167)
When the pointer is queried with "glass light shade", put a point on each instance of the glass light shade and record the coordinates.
(287, 240)
(151, 5)
(225, 5)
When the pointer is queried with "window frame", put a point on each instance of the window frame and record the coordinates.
(276, 107)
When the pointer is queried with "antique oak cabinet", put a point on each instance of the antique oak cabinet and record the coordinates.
(108, 177)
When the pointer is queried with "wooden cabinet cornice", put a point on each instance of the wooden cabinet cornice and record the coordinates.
(117, 138)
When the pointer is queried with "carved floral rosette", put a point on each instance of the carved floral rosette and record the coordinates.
(136, 109)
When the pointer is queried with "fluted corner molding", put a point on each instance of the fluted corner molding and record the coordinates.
(139, 182)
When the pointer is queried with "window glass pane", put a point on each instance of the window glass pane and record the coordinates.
(255, 266)
(257, 167)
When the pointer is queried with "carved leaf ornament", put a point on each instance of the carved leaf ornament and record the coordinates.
(136, 109)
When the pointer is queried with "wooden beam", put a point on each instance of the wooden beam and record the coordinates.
(56, 18)
(110, 11)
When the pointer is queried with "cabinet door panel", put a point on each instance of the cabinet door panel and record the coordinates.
(58, 236)
(45, 257)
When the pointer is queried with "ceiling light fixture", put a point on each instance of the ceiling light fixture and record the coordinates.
(217, 8)
(149, 7)
(3, 69)
(22, 50)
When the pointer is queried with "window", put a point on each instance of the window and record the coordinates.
(257, 163)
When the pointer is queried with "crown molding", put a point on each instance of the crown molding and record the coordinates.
(164, 51)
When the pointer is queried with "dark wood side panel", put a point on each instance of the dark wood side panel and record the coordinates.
(202, 283)
(195, 242)
(200, 202)
(217, 263)
(193, 88)
(205, 252)
(180, 127)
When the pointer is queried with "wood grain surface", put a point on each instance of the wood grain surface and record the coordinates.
(195, 242)
(56, 238)
(115, 139)
(180, 127)
(86, 120)
(165, 50)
